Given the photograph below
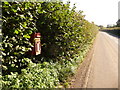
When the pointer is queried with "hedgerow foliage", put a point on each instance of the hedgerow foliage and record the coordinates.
(66, 36)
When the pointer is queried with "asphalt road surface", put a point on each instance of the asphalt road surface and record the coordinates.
(104, 65)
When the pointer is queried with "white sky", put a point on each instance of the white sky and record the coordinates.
(101, 12)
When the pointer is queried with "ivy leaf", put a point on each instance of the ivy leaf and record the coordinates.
(26, 36)
(6, 3)
(14, 10)
(22, 16)
(16, 32)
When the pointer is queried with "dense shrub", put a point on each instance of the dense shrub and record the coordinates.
(63, 31)
(45, 75)
(37, 76)
(66, 37)
(18, 24)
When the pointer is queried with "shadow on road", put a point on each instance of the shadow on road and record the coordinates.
(115, 33)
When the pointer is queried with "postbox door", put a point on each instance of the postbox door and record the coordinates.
(37, 46)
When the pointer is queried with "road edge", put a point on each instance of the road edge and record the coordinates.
(80, 79)
(90, 65)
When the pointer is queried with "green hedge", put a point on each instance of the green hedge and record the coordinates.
(66, 37)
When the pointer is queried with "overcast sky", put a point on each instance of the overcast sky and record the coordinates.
(102, 12)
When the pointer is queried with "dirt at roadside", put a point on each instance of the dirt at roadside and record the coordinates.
(79, 79)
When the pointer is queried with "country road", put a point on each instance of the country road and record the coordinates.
(104, 63)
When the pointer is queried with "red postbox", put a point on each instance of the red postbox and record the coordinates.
(35, 40)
